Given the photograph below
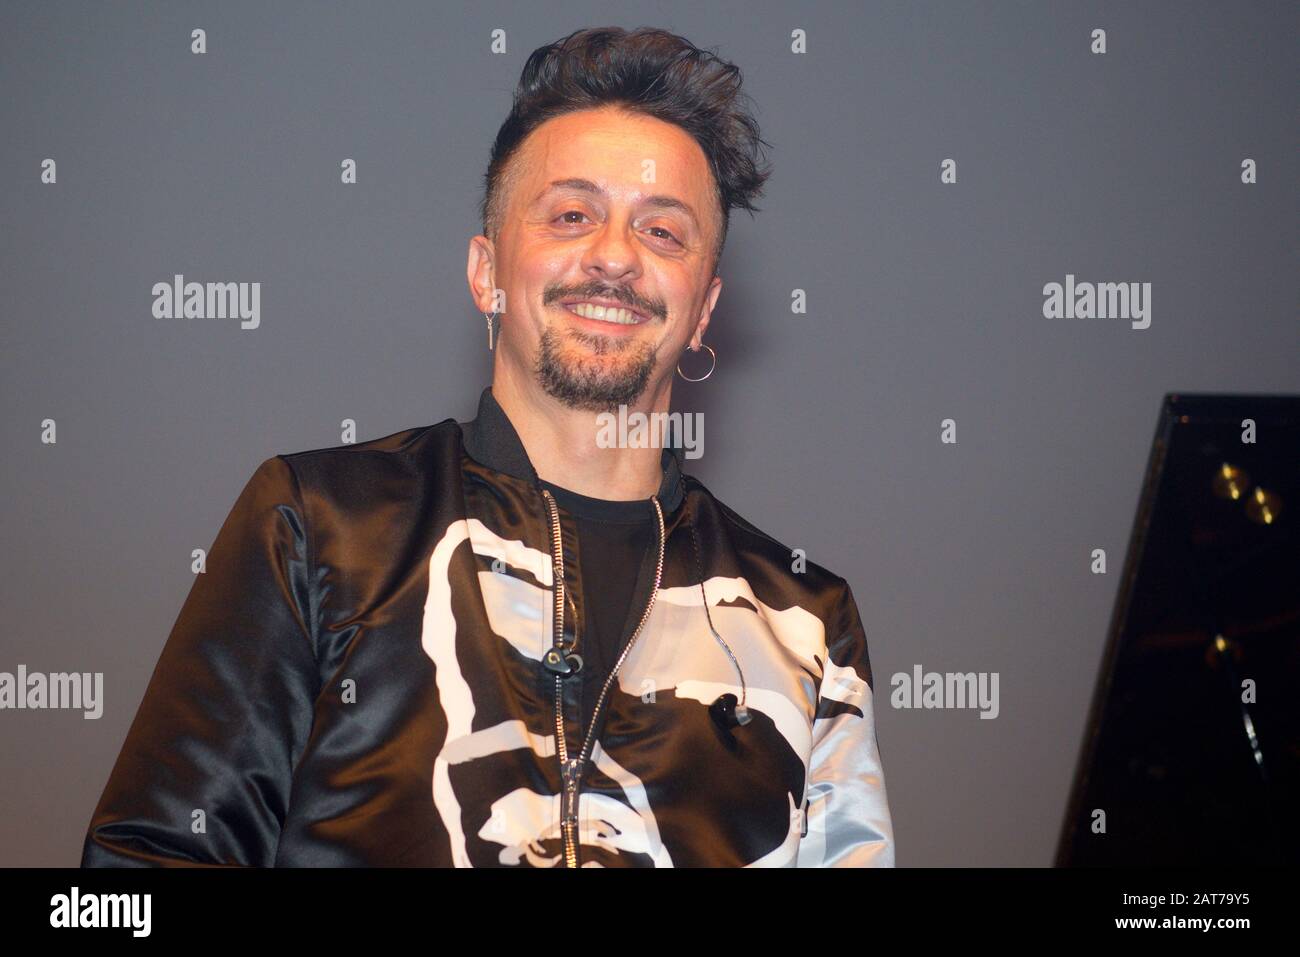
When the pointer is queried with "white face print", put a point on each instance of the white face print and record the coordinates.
(523, 821)
(783, 653)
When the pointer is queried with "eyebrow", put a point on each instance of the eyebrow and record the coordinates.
(587, 186)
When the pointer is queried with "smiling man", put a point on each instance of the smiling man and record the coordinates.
(607, 230)
(503, 642)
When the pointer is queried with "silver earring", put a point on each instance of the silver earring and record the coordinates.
(490, 317)
(707, 374)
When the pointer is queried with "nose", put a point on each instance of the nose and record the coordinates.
(611, 253)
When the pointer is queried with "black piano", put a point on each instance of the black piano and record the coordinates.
(1191, 752)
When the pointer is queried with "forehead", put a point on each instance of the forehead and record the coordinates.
(611, 148)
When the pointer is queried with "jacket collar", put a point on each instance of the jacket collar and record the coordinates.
(491, 440)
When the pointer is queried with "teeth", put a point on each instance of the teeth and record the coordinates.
(588, 311)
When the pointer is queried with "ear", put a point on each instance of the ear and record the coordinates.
(706, 313)
(479, 270)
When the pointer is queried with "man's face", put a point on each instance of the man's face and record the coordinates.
(613, 209)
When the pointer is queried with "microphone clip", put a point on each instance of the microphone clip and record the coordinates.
(728, 713)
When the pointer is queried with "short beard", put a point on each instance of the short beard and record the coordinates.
(584, 386)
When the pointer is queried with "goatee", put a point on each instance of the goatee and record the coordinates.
(589, 384)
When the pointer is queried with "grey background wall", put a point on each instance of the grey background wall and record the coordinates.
(924, 302)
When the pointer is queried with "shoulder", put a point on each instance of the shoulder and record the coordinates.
(398, 464)
(394, 451)
(393, 443)
(766, 556)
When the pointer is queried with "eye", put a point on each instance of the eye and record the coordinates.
(571, 212)
(667, 234)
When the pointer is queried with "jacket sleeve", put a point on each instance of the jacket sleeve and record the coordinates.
(848, 821)
(203, 778)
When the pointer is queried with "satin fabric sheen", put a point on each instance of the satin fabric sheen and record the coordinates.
(355, 680)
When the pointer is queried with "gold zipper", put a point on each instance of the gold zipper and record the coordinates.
(571, 770)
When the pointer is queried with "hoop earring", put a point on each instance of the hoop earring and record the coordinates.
(707, 374)
(490, 317)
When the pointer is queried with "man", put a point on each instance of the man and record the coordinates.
(505, 641)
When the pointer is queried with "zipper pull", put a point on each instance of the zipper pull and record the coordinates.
(571, 773)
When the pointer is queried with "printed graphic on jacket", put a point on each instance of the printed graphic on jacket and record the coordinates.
(683, 784)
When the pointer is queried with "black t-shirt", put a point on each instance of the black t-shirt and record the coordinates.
(613, 537)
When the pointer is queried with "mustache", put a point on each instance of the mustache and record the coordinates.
(597, 290)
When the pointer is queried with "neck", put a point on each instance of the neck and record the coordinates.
(561, 441)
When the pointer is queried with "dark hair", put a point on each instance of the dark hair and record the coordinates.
(647, 71)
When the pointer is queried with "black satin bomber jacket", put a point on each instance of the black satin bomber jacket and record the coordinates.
(357, 679)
